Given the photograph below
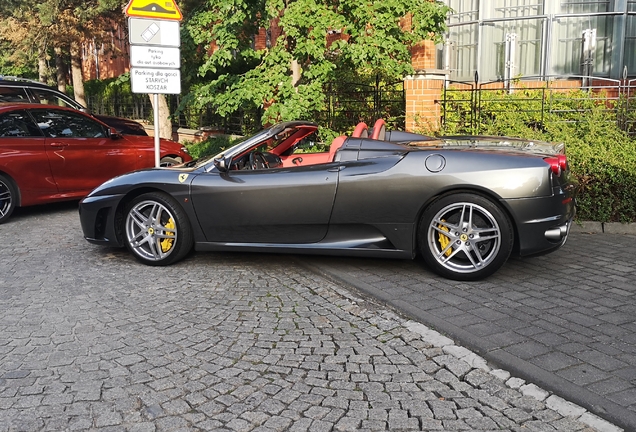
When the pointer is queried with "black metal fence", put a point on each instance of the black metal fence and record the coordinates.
(466, 104)
(347, 104)
(351, 103)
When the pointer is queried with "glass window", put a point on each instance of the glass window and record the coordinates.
(13, 94)
(47, 97)
(478, 32)
(463, 51)
(630, 43)
(525, 35)
(517, 8)
(18, 124)
(567, 43)
(463, 11)
(586, 6)
(67, 124)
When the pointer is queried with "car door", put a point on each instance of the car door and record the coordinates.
(281, 205)
(81, 152)
(23, 157)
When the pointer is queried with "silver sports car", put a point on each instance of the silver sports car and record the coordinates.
(464, 203)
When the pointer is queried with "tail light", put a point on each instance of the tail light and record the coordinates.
(558, 163)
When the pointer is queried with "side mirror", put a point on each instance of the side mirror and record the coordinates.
(221, 164)
(113, 134)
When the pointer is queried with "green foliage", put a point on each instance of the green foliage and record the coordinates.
(16, 62)
(234, 77)
(211, 146)
(218, 143)
(601, 155)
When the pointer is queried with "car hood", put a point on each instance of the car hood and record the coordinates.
(495, 143)
(166, 145)
(123, 125)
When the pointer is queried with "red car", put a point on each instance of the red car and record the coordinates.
(50, 153)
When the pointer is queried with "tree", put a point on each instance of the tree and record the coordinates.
(314, 42)
(57, 26)
(21, 30)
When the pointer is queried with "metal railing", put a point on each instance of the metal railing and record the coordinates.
(347, 104)
(466, 104)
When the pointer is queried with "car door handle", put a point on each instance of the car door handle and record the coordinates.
(58, 145)
(336, 169)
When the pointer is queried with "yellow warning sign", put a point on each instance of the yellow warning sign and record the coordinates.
(162, 9)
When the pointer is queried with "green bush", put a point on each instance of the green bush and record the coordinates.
(211, 146)
(602, 156)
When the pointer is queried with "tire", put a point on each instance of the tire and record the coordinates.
(156, 229)
(8, 198)
(465, 237)
(169, 161)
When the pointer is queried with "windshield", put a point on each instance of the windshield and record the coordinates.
(231, 151)
(276, 139)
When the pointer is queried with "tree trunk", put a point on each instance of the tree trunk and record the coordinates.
(295, 68)
(60, 70)
(42, 63)
(165, 125)
(76, 68)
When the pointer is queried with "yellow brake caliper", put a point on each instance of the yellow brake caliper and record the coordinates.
(443, 240)
(166, 244)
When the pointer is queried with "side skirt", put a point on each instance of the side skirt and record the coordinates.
(312, 249)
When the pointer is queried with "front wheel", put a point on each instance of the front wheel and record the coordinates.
(465, 237)
(157, 230)
(8, 198)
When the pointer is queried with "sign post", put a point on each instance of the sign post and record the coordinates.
(155, 57)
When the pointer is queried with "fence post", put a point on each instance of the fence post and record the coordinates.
(475, 106)
(422, 95)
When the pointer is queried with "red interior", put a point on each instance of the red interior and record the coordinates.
(304, 159)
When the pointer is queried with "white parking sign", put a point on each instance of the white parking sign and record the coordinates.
(155, 81)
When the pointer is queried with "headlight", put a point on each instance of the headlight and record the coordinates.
(185, 150)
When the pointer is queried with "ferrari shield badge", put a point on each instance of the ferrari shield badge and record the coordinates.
(183, 177)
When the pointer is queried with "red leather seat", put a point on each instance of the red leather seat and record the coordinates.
(335, 145)
(361, 131)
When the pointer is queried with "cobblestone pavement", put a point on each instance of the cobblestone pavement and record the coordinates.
(92, 340)
(565, 321)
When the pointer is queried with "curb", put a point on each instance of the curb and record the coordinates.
(604, 227)
(515, 366)
(554, 402)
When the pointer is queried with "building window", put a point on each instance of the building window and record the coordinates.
(521, 39)
(517, 8)
(586, 6)
(567, 44)
(630, 43)
(500, 39)
(464, 11)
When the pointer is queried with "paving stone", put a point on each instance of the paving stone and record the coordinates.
(90, 338)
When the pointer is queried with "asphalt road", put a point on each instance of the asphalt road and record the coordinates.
(92, 340)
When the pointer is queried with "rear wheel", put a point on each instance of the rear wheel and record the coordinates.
(8, 197)
(465, 237)
(157, 230)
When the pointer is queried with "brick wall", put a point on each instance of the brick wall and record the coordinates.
(423, 56)
(110, 58)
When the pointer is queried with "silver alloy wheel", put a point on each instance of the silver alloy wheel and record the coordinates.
(464, 237)
(151, 230)
(6, 199)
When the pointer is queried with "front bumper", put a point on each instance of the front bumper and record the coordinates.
(99, 219)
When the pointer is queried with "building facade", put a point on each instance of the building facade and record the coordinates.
(507, 39)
